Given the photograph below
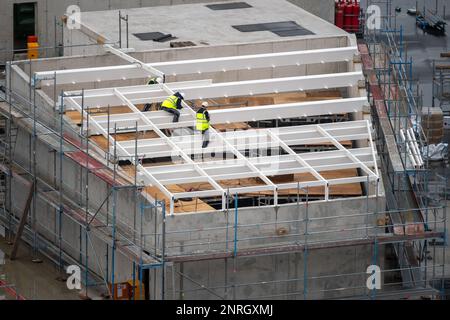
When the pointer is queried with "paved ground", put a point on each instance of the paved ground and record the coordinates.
(33, 280)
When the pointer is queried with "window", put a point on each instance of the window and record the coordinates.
(24, 23)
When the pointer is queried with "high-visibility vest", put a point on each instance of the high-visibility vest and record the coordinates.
(151, 80)
(170, 102)
(202, 123)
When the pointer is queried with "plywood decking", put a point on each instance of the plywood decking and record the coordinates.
(180, 206)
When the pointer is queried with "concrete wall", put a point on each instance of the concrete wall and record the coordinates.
(331, 273)
(323, 9)
(47, 10)
(331, 221)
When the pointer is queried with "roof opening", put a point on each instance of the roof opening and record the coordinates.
(281, 28)
(229, 6)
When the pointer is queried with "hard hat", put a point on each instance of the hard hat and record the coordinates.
(205, 104)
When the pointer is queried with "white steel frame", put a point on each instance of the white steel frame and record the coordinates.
(230, 115)
(245, 62)
(240, 166)
(312, 162)
(205, 89)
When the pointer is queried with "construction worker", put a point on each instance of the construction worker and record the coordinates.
(153, 80)
(150, 81)
(202, 124)
(172, 104)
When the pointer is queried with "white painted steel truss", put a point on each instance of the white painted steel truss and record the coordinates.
(204, 89)
(245, 62)
(238, 147)
(127, 121)
(234, 144)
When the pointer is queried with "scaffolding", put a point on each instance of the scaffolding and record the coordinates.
(441, 85)
(164, 250)
(397, 104)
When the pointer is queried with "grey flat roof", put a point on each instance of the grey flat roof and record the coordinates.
(204, 26)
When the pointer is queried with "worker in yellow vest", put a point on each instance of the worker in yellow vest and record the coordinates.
(150, 81)
(153, 80)
(173, 104)
(202, 123)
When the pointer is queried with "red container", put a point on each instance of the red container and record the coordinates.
(348, 12)
(31, 39)
(339, 14)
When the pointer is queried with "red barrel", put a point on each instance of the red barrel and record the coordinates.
(348, 11)
(339, 14)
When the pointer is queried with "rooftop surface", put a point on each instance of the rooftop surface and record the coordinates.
(204, 26)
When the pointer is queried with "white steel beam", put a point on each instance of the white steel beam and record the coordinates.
(229, 115)
(288, 110)
(136, 62)
(196, 194)
(303, 184)
(211, 193)
(248, 62)
(252, 139)
(151, 94)
(267, 171)
(134, 71)
(269, 86)
(105, 96)
(252, 189)
(300, 184)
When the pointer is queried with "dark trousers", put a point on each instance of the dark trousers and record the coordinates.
(175, 112)
(205, 138)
